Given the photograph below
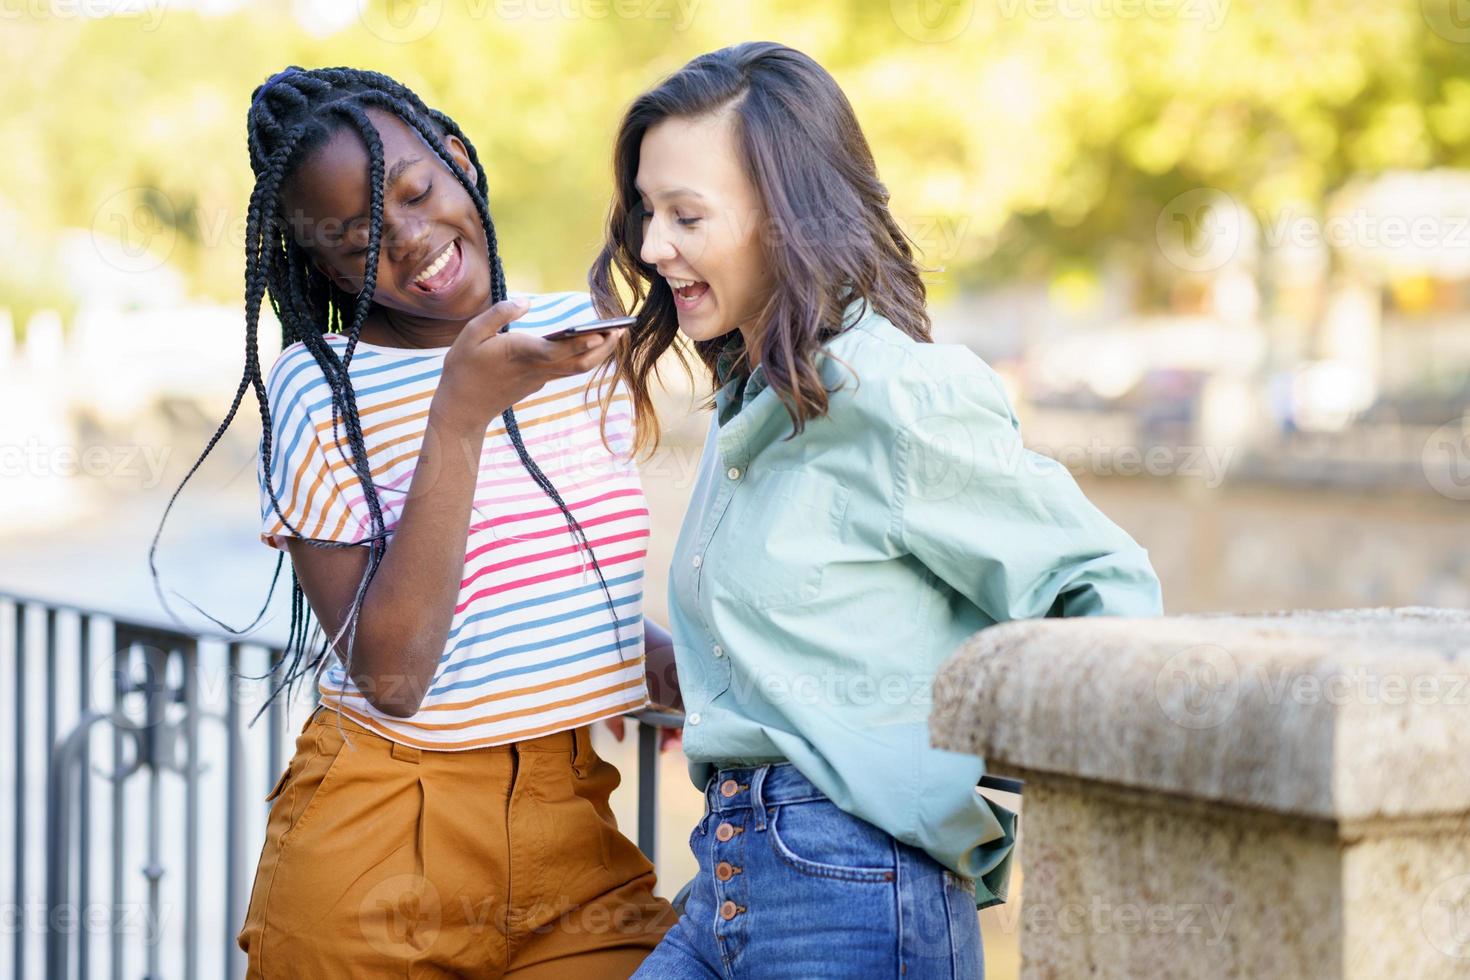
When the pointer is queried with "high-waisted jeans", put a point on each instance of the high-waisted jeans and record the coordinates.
(790, 886)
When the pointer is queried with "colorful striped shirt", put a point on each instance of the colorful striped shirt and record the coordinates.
(532, 647)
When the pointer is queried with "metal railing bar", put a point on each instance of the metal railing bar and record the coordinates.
(18, 957)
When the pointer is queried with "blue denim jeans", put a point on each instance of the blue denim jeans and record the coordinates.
(790, 886)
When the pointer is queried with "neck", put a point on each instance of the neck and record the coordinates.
(389, 328)
(752, 346)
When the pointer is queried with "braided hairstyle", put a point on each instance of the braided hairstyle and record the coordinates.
(292, 114)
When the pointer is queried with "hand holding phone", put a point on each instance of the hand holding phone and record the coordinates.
(596, 326)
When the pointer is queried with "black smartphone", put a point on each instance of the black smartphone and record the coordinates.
(597, 326)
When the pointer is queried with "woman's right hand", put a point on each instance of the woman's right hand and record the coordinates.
(487, 371)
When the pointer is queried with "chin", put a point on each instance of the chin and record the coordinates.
(701, 332)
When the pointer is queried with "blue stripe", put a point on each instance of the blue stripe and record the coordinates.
(541, 600)
(536, 624)
(538, 645)
(533, 668)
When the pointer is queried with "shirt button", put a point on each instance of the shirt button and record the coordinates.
(719, 651)
(733, 472)
(724, 832)
(693, 719)
(729, 910)
(698, 561)
(729, 788)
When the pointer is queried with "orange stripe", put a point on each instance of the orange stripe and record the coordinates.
(451, 726)
(291, 509)
(349, 478)
(373, 725)
(363, 413)
(503, 695)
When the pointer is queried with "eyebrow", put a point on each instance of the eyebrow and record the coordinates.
(672, 192)
(395, 172)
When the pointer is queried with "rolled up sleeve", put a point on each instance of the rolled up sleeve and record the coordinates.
(1005, 527)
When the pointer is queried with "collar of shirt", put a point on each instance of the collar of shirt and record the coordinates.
(738, 391)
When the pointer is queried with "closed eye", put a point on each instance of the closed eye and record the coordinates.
(417, 200)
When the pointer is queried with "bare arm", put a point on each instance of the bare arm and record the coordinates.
(406, 613)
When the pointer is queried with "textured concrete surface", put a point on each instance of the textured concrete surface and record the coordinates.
(1280, 795)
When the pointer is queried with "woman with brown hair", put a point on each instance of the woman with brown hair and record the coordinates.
(863, 505)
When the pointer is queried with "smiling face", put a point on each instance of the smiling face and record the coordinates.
(702, 220)
(433, 270)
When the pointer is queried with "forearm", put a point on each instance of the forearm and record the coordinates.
(409, 605)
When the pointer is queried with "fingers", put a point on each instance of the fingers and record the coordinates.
(493, 320)
(582, 354)
(615, 725)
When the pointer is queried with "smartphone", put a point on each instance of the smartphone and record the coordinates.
(597, 326)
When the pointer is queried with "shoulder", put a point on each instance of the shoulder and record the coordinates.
(294, 373)
(553, 311)
(893, 381)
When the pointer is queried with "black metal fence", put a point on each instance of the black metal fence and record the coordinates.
(133, 739)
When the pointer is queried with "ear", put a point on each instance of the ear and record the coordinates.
(461, 155)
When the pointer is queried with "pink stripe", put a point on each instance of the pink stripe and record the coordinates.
(546, 577)
(398, 481)
(570, 549)
(552, 532)
(549, 511)
(538, 494)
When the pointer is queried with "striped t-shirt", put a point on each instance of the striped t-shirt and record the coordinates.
(532, 647)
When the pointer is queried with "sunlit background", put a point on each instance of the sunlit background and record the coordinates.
(1219, 252)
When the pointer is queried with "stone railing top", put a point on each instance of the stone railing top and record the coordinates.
(1344, 715)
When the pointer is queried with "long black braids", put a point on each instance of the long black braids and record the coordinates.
(291, 114)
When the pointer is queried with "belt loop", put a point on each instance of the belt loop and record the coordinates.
(581, 751)
(405, 753)
(757, 799)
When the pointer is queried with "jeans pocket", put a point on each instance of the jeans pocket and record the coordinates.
(818, 838)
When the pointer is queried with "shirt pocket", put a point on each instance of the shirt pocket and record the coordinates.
(781, 540)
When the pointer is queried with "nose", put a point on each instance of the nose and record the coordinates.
(656, 247)
(405, 236)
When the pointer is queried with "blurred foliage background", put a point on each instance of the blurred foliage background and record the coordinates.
(1051, 136)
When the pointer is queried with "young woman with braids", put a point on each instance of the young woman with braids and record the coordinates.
(470, 535)
(864, 504)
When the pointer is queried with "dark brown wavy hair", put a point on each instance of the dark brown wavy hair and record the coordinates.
(829, 236)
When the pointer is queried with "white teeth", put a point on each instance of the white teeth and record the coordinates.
(681, 283)
(437, 266)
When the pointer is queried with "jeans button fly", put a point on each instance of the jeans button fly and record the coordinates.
(724, 832)
(729, 910)
(729, 788)
(724, 871)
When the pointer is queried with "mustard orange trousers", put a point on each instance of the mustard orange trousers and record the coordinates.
(383, 860)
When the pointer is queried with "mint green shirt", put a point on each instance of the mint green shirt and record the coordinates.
(820, 581)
